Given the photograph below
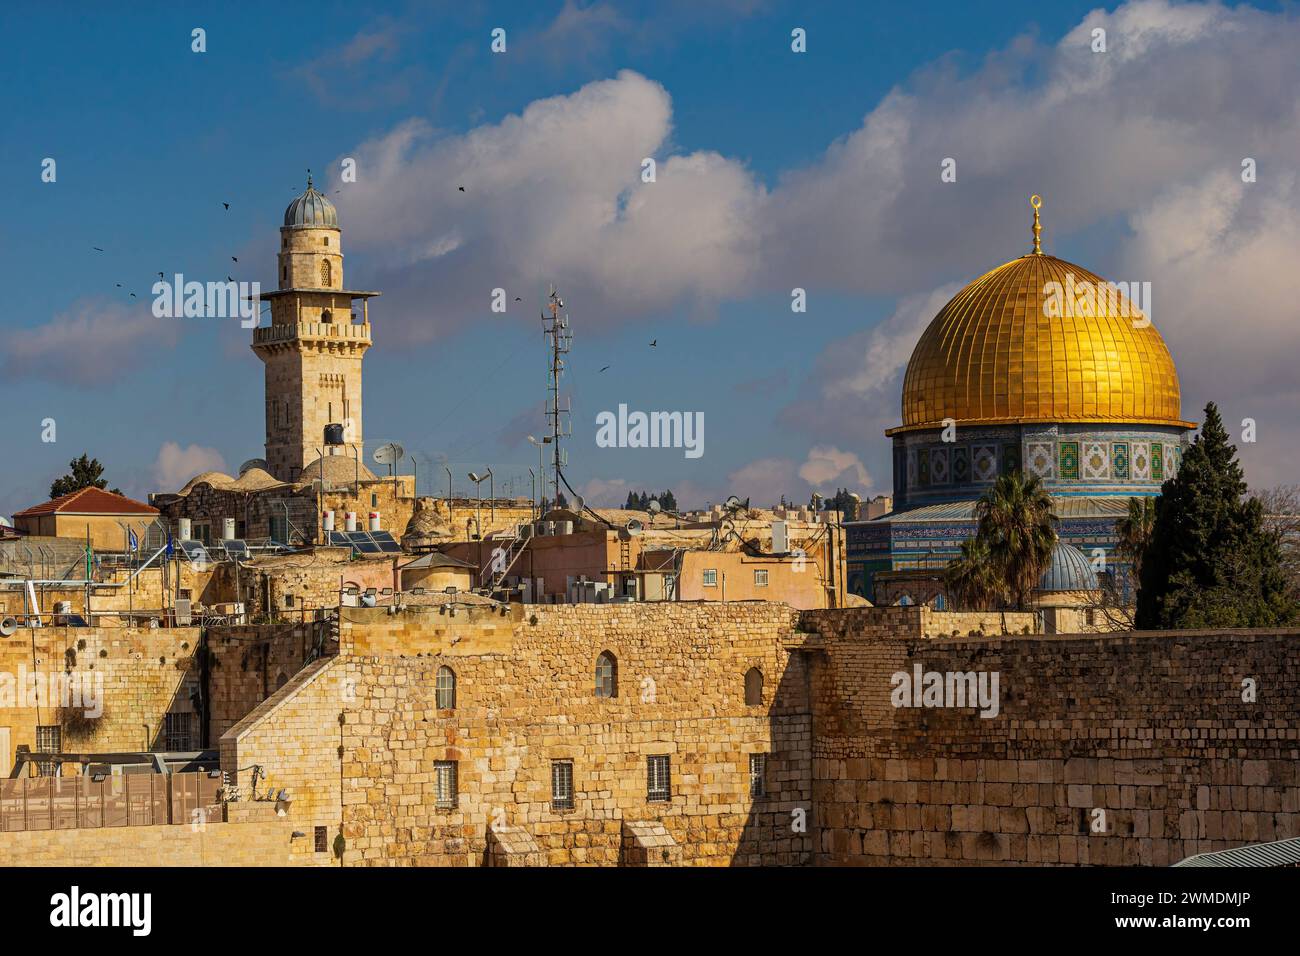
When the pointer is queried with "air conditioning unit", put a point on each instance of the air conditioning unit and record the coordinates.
(780, 537)
(182, 612)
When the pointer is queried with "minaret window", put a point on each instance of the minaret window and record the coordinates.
(325, 273)
(327, 316)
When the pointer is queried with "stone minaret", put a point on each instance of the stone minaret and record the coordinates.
(315, 343)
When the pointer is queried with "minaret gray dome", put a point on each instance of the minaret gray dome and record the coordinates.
(311, 209)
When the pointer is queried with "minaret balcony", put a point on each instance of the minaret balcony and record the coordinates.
(355, 332)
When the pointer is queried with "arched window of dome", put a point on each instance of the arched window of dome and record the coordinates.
(606, 675)
(753, 687)
(446, 689)
(326, 274)
(906, 601)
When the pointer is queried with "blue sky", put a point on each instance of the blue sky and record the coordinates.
(776, 170)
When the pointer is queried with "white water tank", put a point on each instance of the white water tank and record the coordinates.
(227, 528)
(349, 521)
(374, 521)
(186, 530)
(327, 519)
(564, 527)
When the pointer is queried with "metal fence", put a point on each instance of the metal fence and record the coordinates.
(109, 800)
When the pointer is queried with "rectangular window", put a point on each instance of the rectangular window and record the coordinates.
(670, 586)
(757, 775)
(760, 577)
(561, 784)
(711, 578)
(444, 784)
(658, 786)
(322, 840)
(178, 732)
(49, 740)
(202, 532)
(374, 499)
(280, 529)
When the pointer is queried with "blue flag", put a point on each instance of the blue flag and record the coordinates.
(135, 542)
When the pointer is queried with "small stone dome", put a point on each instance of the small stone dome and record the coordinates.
(311, 209)
(336, 470)
(1069, 570)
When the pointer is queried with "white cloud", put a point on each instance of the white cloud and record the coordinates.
(92, 344)
(175, 465)
(829, 467)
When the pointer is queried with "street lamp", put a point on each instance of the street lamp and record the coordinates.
(478, 494)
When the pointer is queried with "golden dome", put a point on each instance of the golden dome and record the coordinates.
(1010, 349)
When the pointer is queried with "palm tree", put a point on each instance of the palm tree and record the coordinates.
(1133, 532)
(972, 579)
(1018, 528)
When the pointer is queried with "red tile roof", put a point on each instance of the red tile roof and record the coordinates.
(89, 501)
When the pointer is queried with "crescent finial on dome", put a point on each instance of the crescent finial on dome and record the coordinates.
(1037, 202)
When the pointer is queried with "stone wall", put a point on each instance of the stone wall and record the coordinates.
(1132, 749)
(524, 698)
(144, 672)
(267, 841)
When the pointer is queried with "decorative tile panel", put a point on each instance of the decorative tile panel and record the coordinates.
(1157, 461)
(1069, 459)
(1096, 460)
(985, 462)
(1171, 460)
(1010, 459)
(911, 468)
(923, 466)
(939, 466)
(1119, 459)
(1141, 461)
(961, 465)
(1042, 459)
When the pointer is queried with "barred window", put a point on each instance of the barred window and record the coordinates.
(561, 784)
(753, 686)
(49, 740)
(178, 732)
(760, 577)
(658, 778)
(444, 784)
(322, 840)
(757, 775)
(711, 578)
(606, 675)
(446, 689)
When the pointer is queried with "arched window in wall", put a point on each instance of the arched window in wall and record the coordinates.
(606, 675)
(753, 686)
(326, 274)
(446, 689)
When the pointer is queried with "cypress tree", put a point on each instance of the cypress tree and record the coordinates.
(1211, 562)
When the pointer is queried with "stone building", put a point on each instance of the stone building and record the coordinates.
(1037, 366)
(102, 518)
(315, 344)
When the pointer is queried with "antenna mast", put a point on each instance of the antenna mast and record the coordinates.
(556, 328)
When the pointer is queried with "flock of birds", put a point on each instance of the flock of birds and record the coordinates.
(235, 259)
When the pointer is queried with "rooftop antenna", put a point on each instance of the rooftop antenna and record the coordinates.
(556, 328)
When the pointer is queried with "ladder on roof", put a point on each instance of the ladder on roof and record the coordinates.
(499, 565)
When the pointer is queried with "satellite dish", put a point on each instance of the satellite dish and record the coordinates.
(5, 522)
(654, 507)
(634, 527)
(7, 626)
(733, 503)
(389, 454)
(579, 503)
(254, 463)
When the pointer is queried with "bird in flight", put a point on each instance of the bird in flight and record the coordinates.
(160, 275)
(226, 204)
(133, 295)
(97, 249)
(517, 299)
(118, 284)
(654, 344)
(234, 258)
(461, 188)
(603, 369)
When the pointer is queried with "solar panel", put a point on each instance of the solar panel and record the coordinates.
(387, 544)
(195, 551)
(236, 547)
